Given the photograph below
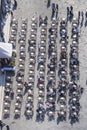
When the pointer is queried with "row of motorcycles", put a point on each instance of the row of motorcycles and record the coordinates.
(29, 88)
(62, 73)
(74, 87)
(52, 65)
(41, 71)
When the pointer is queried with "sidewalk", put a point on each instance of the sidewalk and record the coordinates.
(6, 28)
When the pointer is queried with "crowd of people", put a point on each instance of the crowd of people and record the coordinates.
(52, 64)
(55, 96)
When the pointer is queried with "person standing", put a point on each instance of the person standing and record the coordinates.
(78, 17)
(85, 18)
(48, 3)
(79, 14)
(45, 20)
(15, 5)
(71, 13)
(56, 11)
(68, 13)
(12, 94)
(86, 14)
(40, 20)
(2, 124)
(82, 13)
(7, 127)
(67, 10)
(71, 8)
(56, 6)
(53, 10)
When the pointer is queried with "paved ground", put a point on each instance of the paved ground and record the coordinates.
(27, 9)
(6, 28)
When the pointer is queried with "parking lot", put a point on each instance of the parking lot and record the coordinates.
(41, 90)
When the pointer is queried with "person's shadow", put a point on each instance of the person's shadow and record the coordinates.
(82, 22)
(85, 23)
(48, 3)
